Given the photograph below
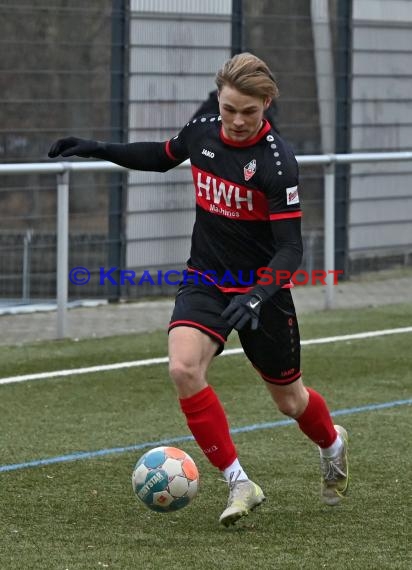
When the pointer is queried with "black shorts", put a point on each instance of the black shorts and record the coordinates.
(273, 349)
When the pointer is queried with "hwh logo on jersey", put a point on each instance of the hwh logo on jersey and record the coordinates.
(222, 193)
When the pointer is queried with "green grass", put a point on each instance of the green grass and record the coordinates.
(82, 515)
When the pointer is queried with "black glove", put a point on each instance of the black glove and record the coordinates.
(72, 146)
(242, 309)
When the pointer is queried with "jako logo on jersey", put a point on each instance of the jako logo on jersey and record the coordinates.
(292, 196)
(226, 198)
(208, 153)
(250, 169)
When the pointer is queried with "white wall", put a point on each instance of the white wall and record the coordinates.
(176, 48)
(380, 209)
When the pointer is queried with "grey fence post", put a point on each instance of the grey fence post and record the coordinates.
(329, 239)
(26, 266)
(62, 251)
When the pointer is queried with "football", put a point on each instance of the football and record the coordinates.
(165, 479)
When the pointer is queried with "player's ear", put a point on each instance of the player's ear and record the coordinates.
(266, 103)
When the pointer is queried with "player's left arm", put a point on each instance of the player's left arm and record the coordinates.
(288, 238)
(285, 219)
(245, 309)
(285, 216)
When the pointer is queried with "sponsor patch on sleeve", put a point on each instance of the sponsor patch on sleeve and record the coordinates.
(292, 196)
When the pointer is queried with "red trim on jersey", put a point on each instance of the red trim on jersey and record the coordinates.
(285, 215)
(169, 152)
(279, 380)
(225, 198)
(195, 325)
(248, 142)
(234, 289)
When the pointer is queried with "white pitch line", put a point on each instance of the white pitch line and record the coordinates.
(164, 359)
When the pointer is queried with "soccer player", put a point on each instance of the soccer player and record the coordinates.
(247, 224)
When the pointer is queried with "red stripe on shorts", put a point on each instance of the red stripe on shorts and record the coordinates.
(198, 326)
(281, 381)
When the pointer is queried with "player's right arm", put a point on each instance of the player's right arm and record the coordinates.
(149, 156)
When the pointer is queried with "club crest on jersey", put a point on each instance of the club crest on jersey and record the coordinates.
(292, 196)
(250, 169)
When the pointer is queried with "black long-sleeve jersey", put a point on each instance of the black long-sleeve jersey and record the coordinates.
(247, 204)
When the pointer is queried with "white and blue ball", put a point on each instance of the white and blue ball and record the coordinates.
(165, 479)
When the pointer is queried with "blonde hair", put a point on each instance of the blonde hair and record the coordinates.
(249, 75)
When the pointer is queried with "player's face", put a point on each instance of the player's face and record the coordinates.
(241, 114)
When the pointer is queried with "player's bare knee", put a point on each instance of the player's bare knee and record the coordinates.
(291, 400)
(185, 376)
(290, 407)
(180, 371)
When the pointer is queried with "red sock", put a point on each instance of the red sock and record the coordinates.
(316, 421)
(207, 421)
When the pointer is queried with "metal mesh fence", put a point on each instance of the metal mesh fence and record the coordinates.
(119, 70)
(345, 87)
(56, 79)
(28, 236)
